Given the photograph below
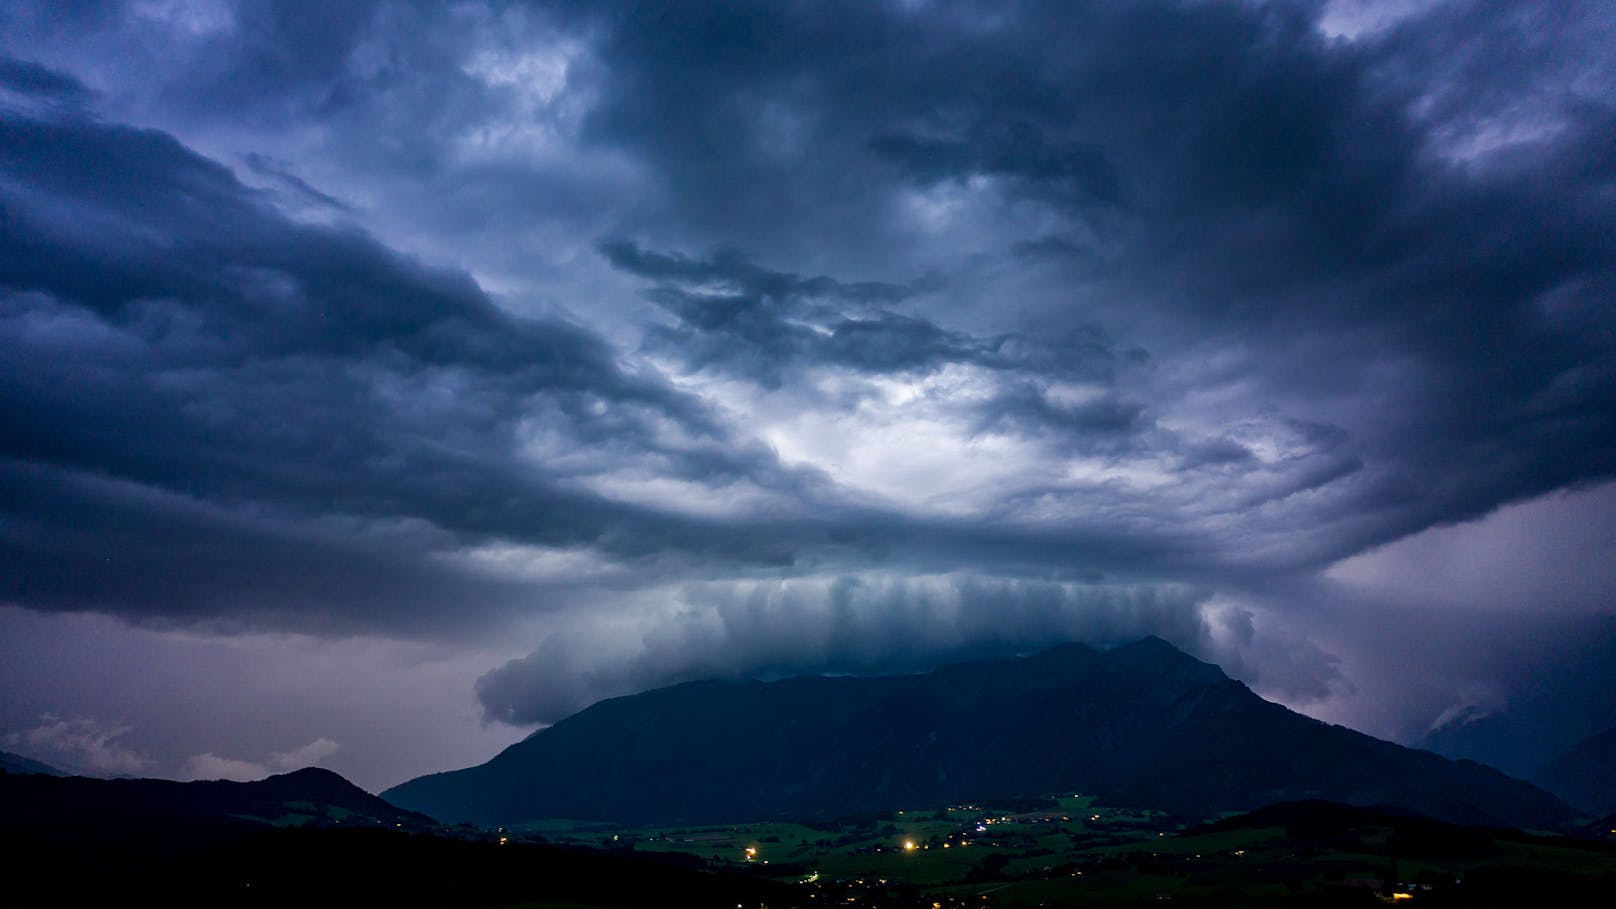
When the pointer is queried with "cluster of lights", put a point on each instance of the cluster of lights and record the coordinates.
(910, 845)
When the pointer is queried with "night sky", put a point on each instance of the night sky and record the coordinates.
(380, 381)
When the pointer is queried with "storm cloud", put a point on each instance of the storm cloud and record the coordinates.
(700, 339)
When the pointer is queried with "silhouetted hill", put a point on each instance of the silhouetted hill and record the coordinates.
(1143, 724)
(68, 823)
(308, 838)
(16, 763)
(312, 867)
(1479, 866)
(1334, 826)
(1585, 775)
(1604, 828)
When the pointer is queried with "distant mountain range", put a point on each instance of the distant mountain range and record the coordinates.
(1143, 724)
(1548, 711)
(16, 763)
(1585, 775)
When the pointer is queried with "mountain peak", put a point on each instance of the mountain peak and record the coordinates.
(1152, 645)
(1151, 658)
(1143, 724)
(317, 784)
(312, 775)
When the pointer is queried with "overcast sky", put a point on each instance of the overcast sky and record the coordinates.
(380, 381)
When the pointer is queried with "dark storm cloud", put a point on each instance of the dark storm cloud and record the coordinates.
(748, 281)
(737, 317)
(242, 374)
(1073, 174)
(77, 541)
(1088, 293)
(1268, 186)
(292, 410)
(846, 624)
(257, 58)
(29, 78)
(158, 244)
(1022, 407)
(278, 171)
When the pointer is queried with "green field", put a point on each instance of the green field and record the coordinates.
(1072, 850)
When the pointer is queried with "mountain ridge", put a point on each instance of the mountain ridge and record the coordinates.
(71, 825)
(16, 763)
(1144, 724)
(1584, 775)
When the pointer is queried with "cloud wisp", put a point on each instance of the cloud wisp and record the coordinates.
(82, 744)
(210, 766)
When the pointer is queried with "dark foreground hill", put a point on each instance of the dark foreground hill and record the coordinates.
(1144, 724)
(317, 867)
(72, 823)
(308, 838)
(1353, 856)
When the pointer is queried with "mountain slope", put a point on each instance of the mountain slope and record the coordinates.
(16, 763)
(1585, 775)
(1145, 724)
(65, 822)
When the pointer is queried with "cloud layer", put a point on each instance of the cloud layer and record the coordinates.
(801, 337)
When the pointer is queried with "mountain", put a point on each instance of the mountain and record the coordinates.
(308, 838)
(1494, 739)
(69, 823)
(1551, 705)
(1585, 775)
(1143, 724)
(16, 763)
